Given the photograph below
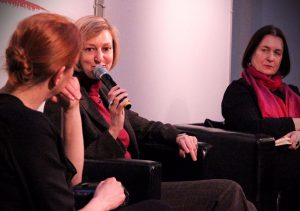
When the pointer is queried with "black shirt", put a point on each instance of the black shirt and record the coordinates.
(34, 172)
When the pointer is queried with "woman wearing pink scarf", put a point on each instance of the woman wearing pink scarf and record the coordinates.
(260, 102)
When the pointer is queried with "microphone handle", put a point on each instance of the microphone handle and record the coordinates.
(109, 83)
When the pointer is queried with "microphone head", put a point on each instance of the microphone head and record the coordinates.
(99, 71)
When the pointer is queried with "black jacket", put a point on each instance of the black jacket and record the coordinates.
(99, 143)
(241, 112)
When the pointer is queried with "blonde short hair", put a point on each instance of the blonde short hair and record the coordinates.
(91, 26)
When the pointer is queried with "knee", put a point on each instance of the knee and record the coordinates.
(154, 204)
(233, 187)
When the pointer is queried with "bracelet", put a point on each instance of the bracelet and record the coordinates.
(181, 134)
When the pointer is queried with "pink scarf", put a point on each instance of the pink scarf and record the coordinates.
(270, 104)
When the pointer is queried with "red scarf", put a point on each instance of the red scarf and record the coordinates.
(270, 104)
(94, 95)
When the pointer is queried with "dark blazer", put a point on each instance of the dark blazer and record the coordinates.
(99, 143)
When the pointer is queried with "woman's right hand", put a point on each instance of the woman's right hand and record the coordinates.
(118, 98)
(110, 192)
(109, 195)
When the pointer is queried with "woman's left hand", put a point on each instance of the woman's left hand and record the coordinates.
(294, 139)
(187, 144)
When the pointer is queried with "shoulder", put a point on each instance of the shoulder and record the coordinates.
(294, 88)
(28, 125)
(14, 112)
(31, 137)
(239, 86)
(238, 92)
(238, 83)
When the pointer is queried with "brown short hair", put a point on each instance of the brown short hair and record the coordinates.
(40, 45)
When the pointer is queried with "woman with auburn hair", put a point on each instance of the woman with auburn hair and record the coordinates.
(36, 173)
(110, 131)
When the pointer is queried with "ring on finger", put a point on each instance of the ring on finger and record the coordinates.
(111, 102)
(196, 143)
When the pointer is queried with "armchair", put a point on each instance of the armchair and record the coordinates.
(242, 157)
(175, 168)
(141, 178)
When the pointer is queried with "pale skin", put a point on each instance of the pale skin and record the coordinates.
(99, 50)
(267, 59)
(294, 139)
(65, 89)
(268, 55)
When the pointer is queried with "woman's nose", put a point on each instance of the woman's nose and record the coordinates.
(271, 56)
(98, 56)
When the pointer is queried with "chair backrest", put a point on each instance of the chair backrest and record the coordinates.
(214, 124)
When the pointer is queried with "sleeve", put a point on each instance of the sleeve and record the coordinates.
(152, 131)
(146, 130)
(53, 112)
(98, 142)
(241, 112)
(39, 159)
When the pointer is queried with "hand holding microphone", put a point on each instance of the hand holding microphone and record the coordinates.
(101, 73)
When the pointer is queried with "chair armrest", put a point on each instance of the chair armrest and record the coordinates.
(243, 157)
(174, 167)
(141, 178)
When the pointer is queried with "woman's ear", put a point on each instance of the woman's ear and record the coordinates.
(57, 77)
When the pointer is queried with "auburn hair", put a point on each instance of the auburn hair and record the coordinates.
(40, 46)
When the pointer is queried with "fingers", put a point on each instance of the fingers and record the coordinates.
(72, 89)
(118, 98)
(70, 95)
(116, 110)
(54, 99)
(188, 144)
(111, 193)
(295, 142)
(181, 153)
(294, 139)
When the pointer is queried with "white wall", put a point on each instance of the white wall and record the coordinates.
(175, 56)
(175, 59)
(10, 15)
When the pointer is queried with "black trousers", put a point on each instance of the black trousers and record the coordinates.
(287, 179)
(205, 195)
(147, 205)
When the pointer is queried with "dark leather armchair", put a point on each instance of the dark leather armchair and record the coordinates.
(242, 157)
(141, 178)
(175, 168)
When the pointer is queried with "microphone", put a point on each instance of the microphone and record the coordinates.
(101, 73)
